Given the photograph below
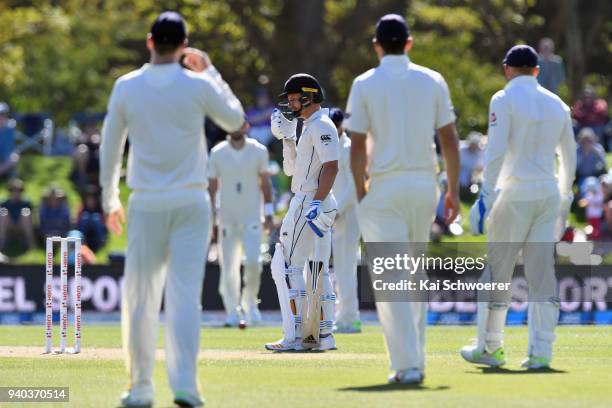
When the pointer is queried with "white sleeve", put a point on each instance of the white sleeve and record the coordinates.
(326, 144)
(289, 156)
(497, 146)
(114, 134)
(359, 120)
(213, 171)
(445, 113)
(566, 149)
(220, 103)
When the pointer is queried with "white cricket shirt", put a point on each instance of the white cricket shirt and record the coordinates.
(318, 144)
(238, 171)
(400, 104)
(528, 125)
(162, 107)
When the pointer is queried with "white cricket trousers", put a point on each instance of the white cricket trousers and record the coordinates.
(345, 246)
(168, 234)
(236, 239)
(400, 207)
(527, 225)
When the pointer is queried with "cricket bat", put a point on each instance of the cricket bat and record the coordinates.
(314, 286)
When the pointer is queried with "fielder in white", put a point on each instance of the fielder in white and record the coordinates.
(522, 202)
(238, 170)
(345, 235)
(162, 106)
(400, 104)
(313, 164)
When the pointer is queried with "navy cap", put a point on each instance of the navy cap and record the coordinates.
(337, 116)
(521, 56)
(392, 28)
(169, 28)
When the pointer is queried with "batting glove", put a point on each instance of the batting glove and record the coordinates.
(317, 220)
(282, 128)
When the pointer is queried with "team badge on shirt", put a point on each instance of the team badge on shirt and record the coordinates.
(326, 139)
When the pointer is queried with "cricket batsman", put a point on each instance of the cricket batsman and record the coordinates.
(522, 201)
(400, 105)
(313, 164)
(162, 106)
(345, 235)
(238, 170)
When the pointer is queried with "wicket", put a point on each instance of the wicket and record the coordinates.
(64, 294)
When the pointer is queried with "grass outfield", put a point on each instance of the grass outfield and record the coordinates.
(235, 371)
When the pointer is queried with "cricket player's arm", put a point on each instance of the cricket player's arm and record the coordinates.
(357, 126)
(219, 101)
(213, 187)
(326, 179)
(359, 162)
(114, 135)
(449, 145)
(265, 185)
(289, 156)
(327, 148)
(566, 149)
(497, 145)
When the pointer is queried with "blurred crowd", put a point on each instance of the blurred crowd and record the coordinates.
(25, 223)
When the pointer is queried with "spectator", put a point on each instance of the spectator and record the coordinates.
(593, 202)
(90, 221)
(259, 118)
(591, 157)
(471, 161)
(54, 214)
(8, 156)
(590, 111)
(552, 71)
(16, 216)
(87, 155)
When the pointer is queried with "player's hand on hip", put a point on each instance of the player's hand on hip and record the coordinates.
(281, 127)
(115, 221)
(195, 60)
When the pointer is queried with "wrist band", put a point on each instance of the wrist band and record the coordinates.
(268, 209)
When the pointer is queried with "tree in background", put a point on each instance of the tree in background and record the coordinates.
(63, 55)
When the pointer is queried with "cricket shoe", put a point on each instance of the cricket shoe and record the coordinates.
(140, 397)
(536, 363)
(474, 355)
(409, 376)
(232, 319)
(187, 400)
(348, 328)
(285, 345)
(326, 342)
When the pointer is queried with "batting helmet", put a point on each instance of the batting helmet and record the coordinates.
(307, 86)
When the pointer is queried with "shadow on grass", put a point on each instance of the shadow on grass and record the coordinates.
(501, 370)
(395, 387)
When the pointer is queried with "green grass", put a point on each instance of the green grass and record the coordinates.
(353, 376)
